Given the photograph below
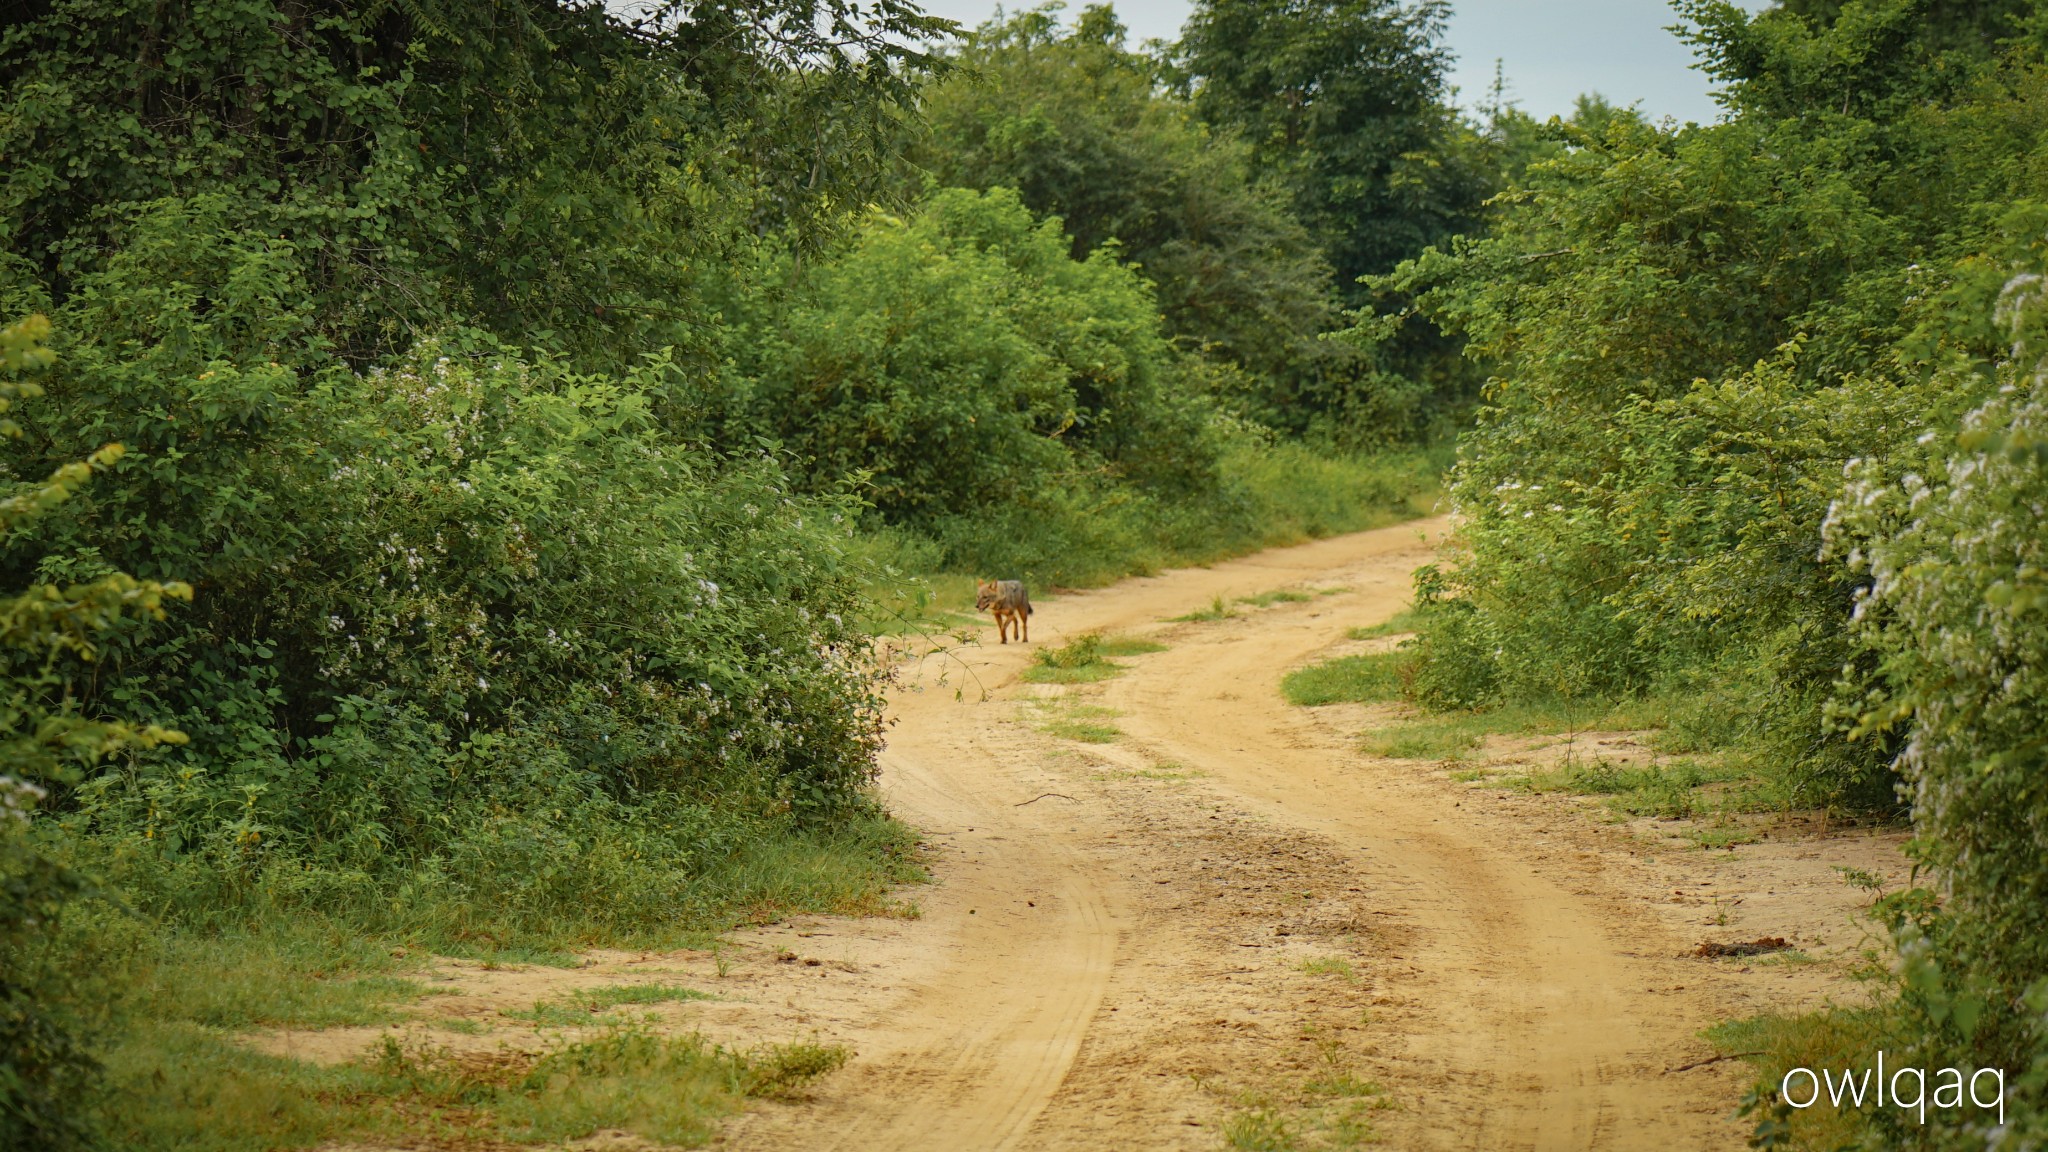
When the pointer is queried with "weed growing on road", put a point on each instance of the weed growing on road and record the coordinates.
(1330, 966)
(1087, 723)
(584, 1007)
(1086, 658)
(1218, 609)
(1332, 1110)
(1166, 771)
(1281, 596)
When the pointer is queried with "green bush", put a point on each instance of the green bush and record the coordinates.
(536, 643)
(1694, 331)
(1958, 606)
(48, 1073)
(962, 361)
(456, 614)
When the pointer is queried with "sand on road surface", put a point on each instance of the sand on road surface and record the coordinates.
(1131, 943)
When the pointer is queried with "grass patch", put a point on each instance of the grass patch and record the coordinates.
(177, 1078)
(1130, 646)
(1282, 596)
(1430, 738)
(1336, 966)
(1361, 679)
(1218, 609)
(1331, 1110)
(585, 1007)
(1400, 624)
(174, 1085)
(1085, 659)
(1834, 1038)
(1086, 723)
(213, 1095)
(1674, 790)
(666, 1089)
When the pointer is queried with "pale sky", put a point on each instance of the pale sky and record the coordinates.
(1551, 50)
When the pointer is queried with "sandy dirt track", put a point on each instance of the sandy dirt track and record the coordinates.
(1123, 963)
(1231, 916)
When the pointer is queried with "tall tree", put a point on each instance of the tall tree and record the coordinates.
(1076, 122)
(1346, 102)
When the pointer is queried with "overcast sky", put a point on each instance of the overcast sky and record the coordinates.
(1551, 50)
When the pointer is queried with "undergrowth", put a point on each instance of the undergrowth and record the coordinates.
(221, 1097)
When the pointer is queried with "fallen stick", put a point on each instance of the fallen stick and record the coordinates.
(1709, 1060)
(1043, 795)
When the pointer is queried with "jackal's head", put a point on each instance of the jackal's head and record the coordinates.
(985, 593)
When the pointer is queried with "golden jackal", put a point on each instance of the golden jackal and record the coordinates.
(1008, 600)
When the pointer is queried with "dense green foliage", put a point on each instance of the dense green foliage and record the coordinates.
(1075, 122)
(549, 171)
(408, 589)
(1695, 331)
(50, 740)
(1345, 101)
(1238, 228)
(1696, 334)
(962, 358)
(968, 366)
(1958, 606)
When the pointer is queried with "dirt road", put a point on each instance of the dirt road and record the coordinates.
(1171, 911)
(1230, 918)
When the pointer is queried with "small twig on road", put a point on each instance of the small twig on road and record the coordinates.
(1709, 1060)
(1043, 795)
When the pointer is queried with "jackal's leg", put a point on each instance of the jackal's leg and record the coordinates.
(1024, 626)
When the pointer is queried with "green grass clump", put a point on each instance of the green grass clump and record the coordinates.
(1217, 609)
(1282, 596)
(1400, 624)
(1673, 790)
(220, 1096)
(1086, 723)
(584, 1007)
(1432, 739)
(1362, 679)
(1085, 659)
(1331, 1110)
(667, 1089)
(1130, 646)
(1336, 966)
(1833, 1038)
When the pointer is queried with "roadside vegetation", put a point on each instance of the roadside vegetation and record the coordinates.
(457, 459)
